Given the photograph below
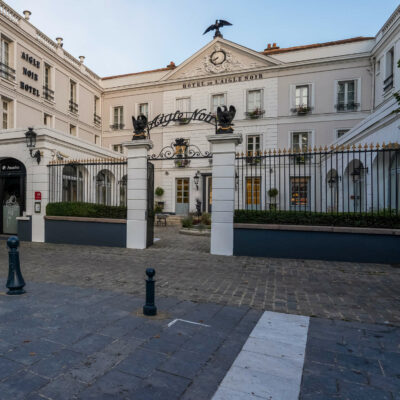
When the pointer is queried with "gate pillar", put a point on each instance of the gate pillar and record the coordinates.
(136, 223)
(223, 191)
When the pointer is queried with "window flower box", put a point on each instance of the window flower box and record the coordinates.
(255, 114)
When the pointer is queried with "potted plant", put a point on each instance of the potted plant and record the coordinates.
(159, 191)
(272, 193)
(257, 113)
(302, 109)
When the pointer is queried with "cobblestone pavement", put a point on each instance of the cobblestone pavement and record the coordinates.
(185, 270)
(351, 361)
(60, 342)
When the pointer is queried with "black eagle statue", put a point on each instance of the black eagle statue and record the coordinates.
(219, 23)
(139, 126)
(225, 118)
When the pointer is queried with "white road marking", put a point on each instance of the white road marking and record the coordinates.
(184, 320)
(270, 364)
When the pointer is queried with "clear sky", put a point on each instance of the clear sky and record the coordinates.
(122, 36)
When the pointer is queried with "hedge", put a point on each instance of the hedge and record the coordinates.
(68, 209)
(387, 219)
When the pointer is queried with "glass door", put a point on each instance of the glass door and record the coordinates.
(182, 196)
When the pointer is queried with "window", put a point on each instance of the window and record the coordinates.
(346, 96)
(300, 141)
(143, 109)
(48, 94)
(118, 148)
(254, 104)
(5, 117)
(96, 117)
(378, 67)
(253, 146)
(6, 71)
(118, 118)
(183, 104)
(47, 120)
(341, 132)
(217, 100)
(97, 140)
(104, 182)
(388, 82)
(73, 106)
(72, 130)
(302, 99)
(299, 196)
(72, 181)
(253, 192)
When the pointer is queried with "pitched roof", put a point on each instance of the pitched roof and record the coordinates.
(278, 50)
(170, 66)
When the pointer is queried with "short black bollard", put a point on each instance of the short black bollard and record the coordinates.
(149, 308)
(15, 281)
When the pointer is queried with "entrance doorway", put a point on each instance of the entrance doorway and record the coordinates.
(12, 194)
(182, 196)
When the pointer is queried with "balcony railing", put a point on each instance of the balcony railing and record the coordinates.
(48, 94)
(388, 83)
(73, 107)
(7, 72)
(255, 114)
(116, 127)
(96, 119)
(347, 107)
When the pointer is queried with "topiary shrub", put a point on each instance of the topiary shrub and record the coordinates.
(70, 209)
(159, 191)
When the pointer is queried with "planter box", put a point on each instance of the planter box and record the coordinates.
(86, 231)
(318, 242)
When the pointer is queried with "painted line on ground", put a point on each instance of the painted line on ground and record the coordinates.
(270, 364)
(188, 322)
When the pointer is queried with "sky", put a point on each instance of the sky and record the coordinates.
(123, 36)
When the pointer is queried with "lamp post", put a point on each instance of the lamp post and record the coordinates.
(30, 137)
(196, 179)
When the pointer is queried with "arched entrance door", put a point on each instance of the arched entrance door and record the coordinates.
(12, 193)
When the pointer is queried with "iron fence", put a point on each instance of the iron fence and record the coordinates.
(336, 180)
(99, 181)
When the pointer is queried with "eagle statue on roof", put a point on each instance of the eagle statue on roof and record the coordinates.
(139, 126)
(219, 23)
(225, 118)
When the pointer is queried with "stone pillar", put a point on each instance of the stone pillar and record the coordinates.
(223, 191)
(136, 224)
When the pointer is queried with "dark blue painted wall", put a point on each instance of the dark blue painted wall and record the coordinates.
(85, 233)
(25, 230)
(330, 246)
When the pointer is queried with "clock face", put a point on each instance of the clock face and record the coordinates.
(218, 57)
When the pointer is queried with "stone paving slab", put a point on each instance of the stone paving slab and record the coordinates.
(337, 290)
(61, 342)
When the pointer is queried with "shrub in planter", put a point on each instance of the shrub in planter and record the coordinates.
(69, 209)
(206, 219)
(187, 222)
(158, 209)
(159, 191)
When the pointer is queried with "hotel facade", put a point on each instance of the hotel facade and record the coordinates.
(297, 98)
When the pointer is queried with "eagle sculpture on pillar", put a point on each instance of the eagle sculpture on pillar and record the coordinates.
(225, 118)
(139, 126)
(219, 23)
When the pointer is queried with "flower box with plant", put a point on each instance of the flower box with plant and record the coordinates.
(273, 193)
(182, 163)
(255, 114)
(302, 109)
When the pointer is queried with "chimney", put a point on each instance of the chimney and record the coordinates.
(171, 65)
(27, 14)
(59, 41)
(81, 59)
(274, 46)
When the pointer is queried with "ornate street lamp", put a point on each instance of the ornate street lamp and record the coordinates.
(31, 143)
(196, 179)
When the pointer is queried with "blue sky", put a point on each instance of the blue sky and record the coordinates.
(122, 36)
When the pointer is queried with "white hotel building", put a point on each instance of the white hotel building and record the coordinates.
(299, 97)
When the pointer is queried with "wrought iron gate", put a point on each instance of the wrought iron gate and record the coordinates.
(150, 204)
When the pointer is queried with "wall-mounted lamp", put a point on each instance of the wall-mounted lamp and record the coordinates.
(196, 179)
(31, 143)
(236, 180)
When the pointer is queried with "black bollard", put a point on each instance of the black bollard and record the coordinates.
(149, 308)
(15, 281)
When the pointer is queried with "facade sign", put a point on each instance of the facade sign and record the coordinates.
(38, 195)
(30, 74)
(221, 81)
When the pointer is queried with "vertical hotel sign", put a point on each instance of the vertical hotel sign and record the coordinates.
(31, 74)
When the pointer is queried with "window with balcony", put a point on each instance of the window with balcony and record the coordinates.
(118, 118)
(48, 93)
(217, 100)
(388, 82)
(143, 109)
(302, 100)
(96, 116)
(47, 120)
(347, 96)
(254, 104)
(6, 71)
(73, 106)
(183, 105)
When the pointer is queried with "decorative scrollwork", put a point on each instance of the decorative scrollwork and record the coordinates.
(179, 150)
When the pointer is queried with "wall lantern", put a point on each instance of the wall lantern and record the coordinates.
(356, 174)
(196, 179)
(236, 180)
(31, 143)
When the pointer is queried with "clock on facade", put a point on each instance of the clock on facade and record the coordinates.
(218, 57)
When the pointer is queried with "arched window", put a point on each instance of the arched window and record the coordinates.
(104, 187)
(72, 184)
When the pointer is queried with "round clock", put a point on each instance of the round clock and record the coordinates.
(218, 57)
